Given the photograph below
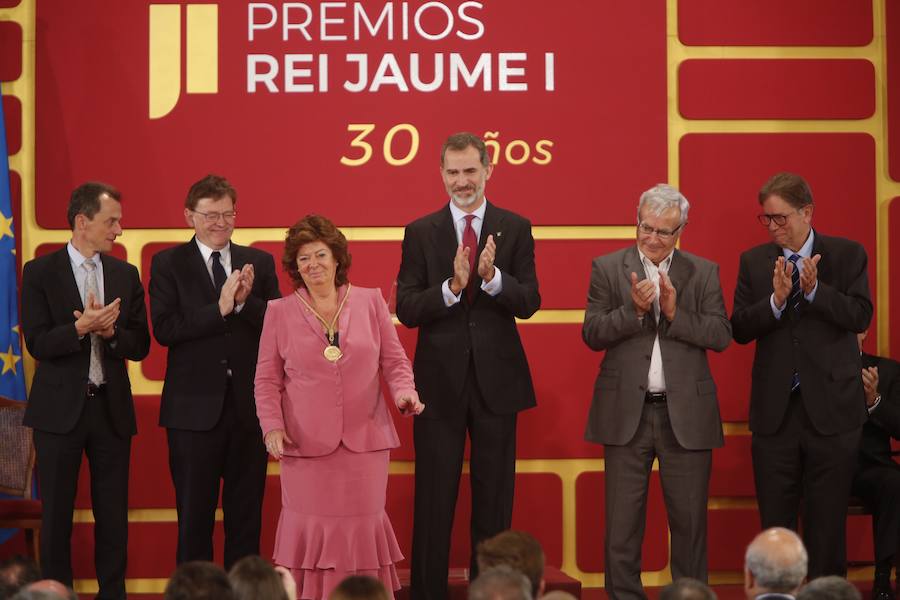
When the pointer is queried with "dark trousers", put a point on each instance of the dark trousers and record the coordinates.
(685, 482)
(440, 444)
(58, 463)
(234, 454)
(797, 464)
(879, 487)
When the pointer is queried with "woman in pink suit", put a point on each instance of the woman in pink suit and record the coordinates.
(319, 401)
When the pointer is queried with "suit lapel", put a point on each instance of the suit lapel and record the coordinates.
(492, 225)
(111, 289)
(823, 269)
(680, 271)
(443, 237)
(344, 318)
(631, 263)
(196, 268)
(238, 257)
(69, 285)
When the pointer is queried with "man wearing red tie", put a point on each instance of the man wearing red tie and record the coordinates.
(467, 272)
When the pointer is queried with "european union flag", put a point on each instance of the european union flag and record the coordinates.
(12, 373)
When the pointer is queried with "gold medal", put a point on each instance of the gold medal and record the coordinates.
(331, 353)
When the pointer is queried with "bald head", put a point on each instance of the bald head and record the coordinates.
(775, 562)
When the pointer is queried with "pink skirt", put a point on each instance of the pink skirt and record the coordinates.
(333, 523)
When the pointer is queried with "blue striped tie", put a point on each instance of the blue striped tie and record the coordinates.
(794, 304)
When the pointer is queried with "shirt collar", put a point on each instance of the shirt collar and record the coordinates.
(78, 258)
(458, 214)
(664, 264)
(206, 251)
(805, 250)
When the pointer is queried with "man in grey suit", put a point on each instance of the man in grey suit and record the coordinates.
(655, 311)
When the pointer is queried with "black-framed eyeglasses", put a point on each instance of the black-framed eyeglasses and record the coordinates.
(213, 217)
(766, 219)
(663, 234)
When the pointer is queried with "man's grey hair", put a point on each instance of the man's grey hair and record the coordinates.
(660, 198)
(500, 583)
(829, 588)
(26, 594)
(687, 588)
(773, 574)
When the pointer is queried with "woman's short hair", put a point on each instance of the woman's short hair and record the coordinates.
(315, 228)
(254, 578)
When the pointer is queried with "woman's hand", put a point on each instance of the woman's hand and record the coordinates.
(287, 580)
(409, 404)
(275, 441)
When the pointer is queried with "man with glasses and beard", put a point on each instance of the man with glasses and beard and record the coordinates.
(802, 298)
(655, 311)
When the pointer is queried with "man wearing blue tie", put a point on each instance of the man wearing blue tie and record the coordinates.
(802, 298)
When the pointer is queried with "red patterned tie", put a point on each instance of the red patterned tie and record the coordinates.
(471, 242)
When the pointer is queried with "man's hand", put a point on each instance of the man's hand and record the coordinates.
(667, 296)
(461, 270)
(781, 281)
(486, 260)
(642, 294)
(96, 318)
(870, 384)
(226, 296)
(809, 274)
(246, 284)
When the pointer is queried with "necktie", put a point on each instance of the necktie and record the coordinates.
(794, 304)
(471, 242)
(218, 272)
(95, 371)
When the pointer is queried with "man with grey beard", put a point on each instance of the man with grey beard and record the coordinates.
(467, 273)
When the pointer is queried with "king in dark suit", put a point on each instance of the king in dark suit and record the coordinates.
(83, 316)
(207, 302)
(803, 298)
(466, 274)
(877, 479)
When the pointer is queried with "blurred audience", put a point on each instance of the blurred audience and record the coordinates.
(15, 573)
(829, 588)
(360, 587)
(687, 588)
(198, 580)
(518, 550)
(500, 583)
(254, 578)
(775, 564)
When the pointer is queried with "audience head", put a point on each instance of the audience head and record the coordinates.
(198, 580)
(558, 595)
(45, 589)
(516, 549)
(15, 573)
(775, 562)
(829, 588)
(254, 578)
(500, 583)
(687, 588)
(360, 587)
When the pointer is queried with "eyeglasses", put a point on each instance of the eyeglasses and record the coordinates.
(213, 217)
(663, 234)
(766, 219)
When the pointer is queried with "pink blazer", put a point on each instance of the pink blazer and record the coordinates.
(319, 403)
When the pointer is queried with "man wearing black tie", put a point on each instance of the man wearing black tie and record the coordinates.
(467, 272)
(83, 316)
(802, 298)
(207, 302)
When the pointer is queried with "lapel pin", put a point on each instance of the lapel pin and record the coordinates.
(499, 233)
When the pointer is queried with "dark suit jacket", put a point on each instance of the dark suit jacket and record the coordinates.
(884, 422)
(202, 345)
(484, 329)
(49, 297)
(820, 345)
(611, 324)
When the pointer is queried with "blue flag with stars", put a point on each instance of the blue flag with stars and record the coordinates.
(12, 373)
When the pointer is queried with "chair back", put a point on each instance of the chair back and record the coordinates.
(16, 450)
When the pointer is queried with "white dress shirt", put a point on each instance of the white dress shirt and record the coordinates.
(656, 378)
(492, 287)
(224, 259)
